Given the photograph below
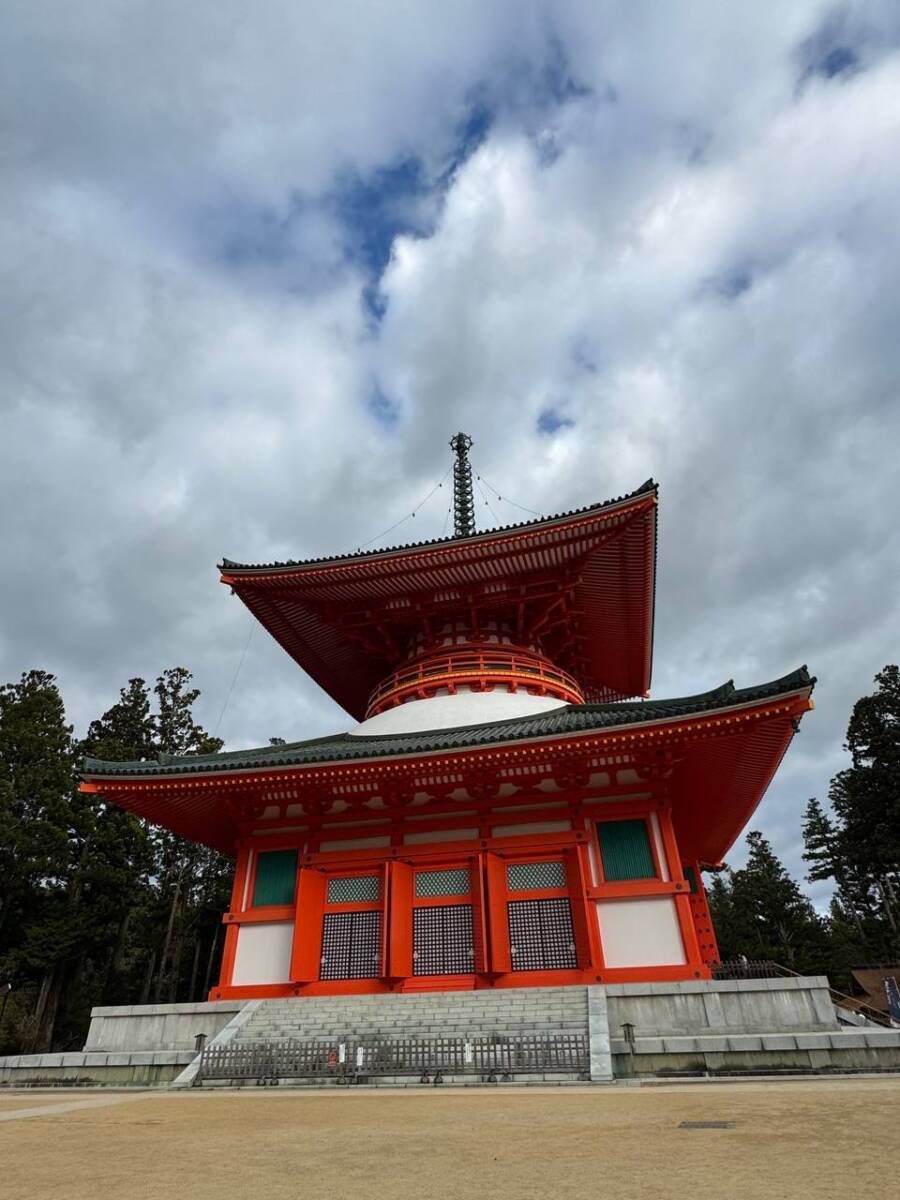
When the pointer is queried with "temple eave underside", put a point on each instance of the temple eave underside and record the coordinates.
(712, 768)
(582, 586)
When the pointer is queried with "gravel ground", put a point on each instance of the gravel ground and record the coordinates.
(797, 1139)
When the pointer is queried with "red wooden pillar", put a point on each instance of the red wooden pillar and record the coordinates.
(682, 896)
(232, 931)
(480, 945)
(306, 953)
(706, 934)
(578, 902)
(398, 909)
(499, 956)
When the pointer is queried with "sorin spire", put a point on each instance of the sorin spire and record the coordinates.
(463, 503)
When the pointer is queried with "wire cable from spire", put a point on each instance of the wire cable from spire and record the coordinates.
(377, 538)
(507, 500)
(234, 679)
(486, 501)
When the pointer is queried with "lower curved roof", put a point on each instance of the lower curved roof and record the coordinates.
(723, 746)
(346, 747)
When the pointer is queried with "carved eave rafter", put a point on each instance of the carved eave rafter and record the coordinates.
(564, 583)
(657, 756)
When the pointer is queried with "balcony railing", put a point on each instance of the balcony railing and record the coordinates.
(477, 668)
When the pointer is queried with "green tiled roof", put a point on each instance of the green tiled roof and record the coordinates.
(345, 747)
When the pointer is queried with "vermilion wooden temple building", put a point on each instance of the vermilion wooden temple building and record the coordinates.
(505, 812)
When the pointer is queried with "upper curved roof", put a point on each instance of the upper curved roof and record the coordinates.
(581, 583)
(229, 564)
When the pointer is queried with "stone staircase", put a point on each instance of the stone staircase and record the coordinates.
(432, 1037)
(510, 1012)
(618, 1031)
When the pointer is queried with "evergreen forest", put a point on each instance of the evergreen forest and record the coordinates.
(98, 907)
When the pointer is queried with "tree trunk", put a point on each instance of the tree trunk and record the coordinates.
(40, 1008)
(47, 1007)
(148, 978)
(845, 893)
(115, 961)
(167, 943)
(175, 971)
(883, 892)
(72, 981)
(195, 966)
(207, 980)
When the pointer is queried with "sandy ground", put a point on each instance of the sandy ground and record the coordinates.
(828, 1138)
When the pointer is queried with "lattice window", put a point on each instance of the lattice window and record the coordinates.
(442, 940)
(358, 890)
(454, 882)
(541, 936)
(351, 945)
(625, 850)
(529, 877)
(276, 876)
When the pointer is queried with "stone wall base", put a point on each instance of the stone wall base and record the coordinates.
(635, 1031)
(80, 1069)
(135, 1027)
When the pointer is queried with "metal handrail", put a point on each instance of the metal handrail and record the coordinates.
(767, 969)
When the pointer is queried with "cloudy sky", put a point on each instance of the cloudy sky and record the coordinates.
(259, 262)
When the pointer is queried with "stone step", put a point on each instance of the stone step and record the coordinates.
(509, 1012)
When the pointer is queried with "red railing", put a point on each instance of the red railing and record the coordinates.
(478, 667)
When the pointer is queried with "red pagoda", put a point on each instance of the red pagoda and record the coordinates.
(504, 813)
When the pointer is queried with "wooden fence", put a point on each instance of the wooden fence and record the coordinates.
(357, 1060)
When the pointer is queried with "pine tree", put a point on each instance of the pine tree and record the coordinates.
(866, 801)
(38, 843)
(126, 731)
(820, 844)
(192, 878)
(36, 757)
(760, 913)
(122, 862)
(96, 905)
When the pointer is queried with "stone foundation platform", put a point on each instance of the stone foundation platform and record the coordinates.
(636, 1031)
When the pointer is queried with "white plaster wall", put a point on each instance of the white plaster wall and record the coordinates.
(439, 835)
(640, 933)
(263, 953)
(533, 827)
(370, 843)
(447, 712)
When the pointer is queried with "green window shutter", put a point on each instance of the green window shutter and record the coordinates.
(276, 875)
(625, 849)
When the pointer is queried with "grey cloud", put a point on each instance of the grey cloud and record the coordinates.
(186, 357)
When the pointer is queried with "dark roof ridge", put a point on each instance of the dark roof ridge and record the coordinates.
(230, 564)
(569, 718)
